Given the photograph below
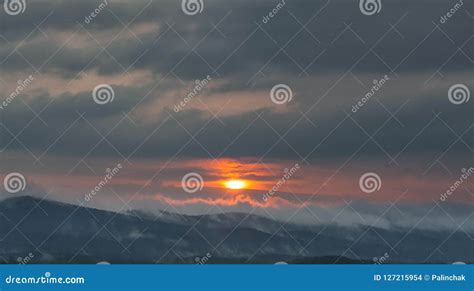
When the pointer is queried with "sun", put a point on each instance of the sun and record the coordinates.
(235, 184)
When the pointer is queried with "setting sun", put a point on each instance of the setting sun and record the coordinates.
(235, 184)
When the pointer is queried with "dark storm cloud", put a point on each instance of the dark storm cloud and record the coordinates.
(405, 128)
(415, 128)
(340, 35)
(238, 51)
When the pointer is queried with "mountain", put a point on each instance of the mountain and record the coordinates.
(53, 232)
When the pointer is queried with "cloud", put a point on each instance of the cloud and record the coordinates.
(151, 54)
(405, 119)
(340, 35)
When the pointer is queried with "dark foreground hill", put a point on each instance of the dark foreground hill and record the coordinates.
(41, 231)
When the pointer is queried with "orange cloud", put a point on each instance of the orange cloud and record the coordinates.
(227, 201)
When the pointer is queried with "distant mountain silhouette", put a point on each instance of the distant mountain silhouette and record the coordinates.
(54, 232)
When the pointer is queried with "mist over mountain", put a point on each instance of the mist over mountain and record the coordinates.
(53, 232)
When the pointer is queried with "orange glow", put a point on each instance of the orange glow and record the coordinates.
(235, 184)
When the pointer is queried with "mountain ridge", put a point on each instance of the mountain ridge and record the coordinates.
(65, 233)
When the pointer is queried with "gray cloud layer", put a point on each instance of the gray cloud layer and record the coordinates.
(244, 60)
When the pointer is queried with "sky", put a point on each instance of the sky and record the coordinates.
(303, 111)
